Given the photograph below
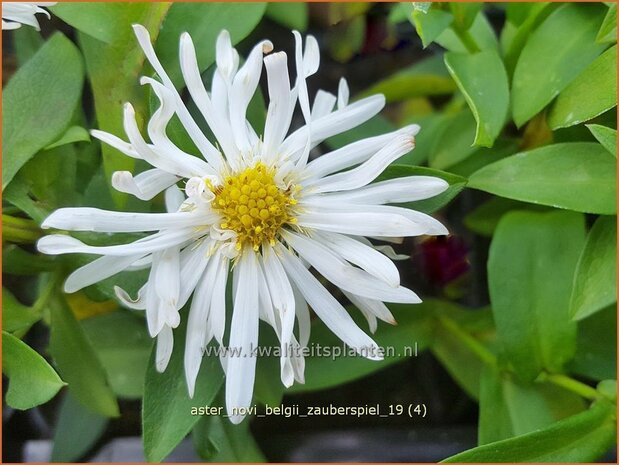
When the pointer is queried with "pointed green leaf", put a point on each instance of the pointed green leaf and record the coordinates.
(596, 354)
(31, 380)
(595, 281)
(555, 53)
(605, 136)
(575, 175)
(51, 79)
(531, 266)
(430, 23)
(71, 135)
(482, 79)
(608, 30)
(598, 82)
(16, 317)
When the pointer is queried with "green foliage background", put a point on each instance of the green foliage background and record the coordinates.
(526, 114)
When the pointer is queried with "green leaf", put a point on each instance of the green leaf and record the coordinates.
(107, 22)
(595, 281)
(71, 135)
(596, 354)
(608, 29)
(425, 78)
(480, 36)
(456, 184)
(509, 408)
(293, 15)
(482, 79)
(77, 430)
(531, 266)
(26, 41)
(484, 156)
(17, 194)
(414, 328)
(455, 142)
(218, 440)
(113, 73)
(430, 23)
(31, 380)
(16, 261)
(166, 408)
(16, 317)
(122, 343)
(598, 82)
(485, 218)
(198, 19)
(585, 437)
(77, 361)
(575, 175)
(464, 14)
(605, 136)
(555, 53)
(51, 79)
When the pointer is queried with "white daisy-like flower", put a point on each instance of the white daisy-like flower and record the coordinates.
(14, 14)
(256, 206)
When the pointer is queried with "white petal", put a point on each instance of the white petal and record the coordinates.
(56, 244)
(244, 337)
(278, 114)
(116, 142)
(367, 171)
(166, 281)
(139, 303)
(94, 219)
(191, 73)
(165, 345)
(193, 261)
(352, 154)
(226, 56)
(217, 314)
(328, 308)
(323, 104)
(399, 190)
(303, 316)
(372, 307)
(301, 85)
(363, 256)
(334, 123)
(97, 270)
(344, 275)
(145, 185)
(342, 94)
(366, 224)
(281, 291)
(311, 56)
(174, 198)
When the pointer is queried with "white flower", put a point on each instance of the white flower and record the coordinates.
(19, 13)
(256, 206)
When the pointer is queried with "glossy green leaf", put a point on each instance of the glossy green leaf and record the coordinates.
(483, 156)
(595, 281)
(608, 29)
(107, 22)
(455, 142)
(76, 431)
(31, 380)
(598, 82)
(77, 361)
(292, 15)
(509, 408)
(456, 184)
(71, 135)
(605, 136)
(585, 437)
(16, 317)
(596, 354)
(239, 19)
(123, 345)
(430, 23)
(426, 78)
(482, 79)
(111, 88)
(51, 79)
(414, 329)
(166, 408)
(555, 53)
(531, 266)
(575, 175)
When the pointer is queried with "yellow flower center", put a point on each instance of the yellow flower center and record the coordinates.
(253, 206)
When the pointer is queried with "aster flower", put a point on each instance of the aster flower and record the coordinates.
(14, 14)
(256, 205)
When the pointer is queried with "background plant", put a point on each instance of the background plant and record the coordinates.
(517, 108)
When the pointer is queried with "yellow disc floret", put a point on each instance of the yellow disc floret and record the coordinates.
(253, 206)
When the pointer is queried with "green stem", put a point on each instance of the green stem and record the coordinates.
(573, 385)
(469, 341)
(46, 294)
(467, 40)
(19, 230)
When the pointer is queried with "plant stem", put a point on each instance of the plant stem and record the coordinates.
(46, 294)
(20, 230)
(582, 389)
(467, 40)
(469, 341)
